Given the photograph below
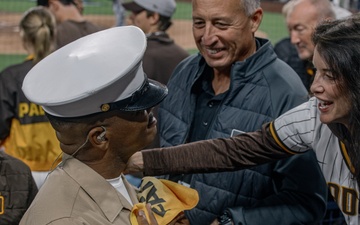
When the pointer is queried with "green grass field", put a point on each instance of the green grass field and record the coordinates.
(273, 23)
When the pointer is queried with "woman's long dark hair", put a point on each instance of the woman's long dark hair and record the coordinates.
(338, 43)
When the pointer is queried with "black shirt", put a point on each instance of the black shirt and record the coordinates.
(207, 106)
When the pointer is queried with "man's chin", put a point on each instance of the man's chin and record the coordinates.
(304, 55)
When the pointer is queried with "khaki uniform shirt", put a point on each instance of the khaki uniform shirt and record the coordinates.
(75, 194)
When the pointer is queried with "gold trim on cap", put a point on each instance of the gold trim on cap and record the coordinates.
(105, 107)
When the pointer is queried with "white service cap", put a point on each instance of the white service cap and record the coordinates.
(96, 73)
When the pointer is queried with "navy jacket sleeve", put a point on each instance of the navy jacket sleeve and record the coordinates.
(301, 197)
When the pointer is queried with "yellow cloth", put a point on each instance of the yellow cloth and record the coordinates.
(167, 199)
(34, 143)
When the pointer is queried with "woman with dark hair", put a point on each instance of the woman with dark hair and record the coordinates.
(329, 123)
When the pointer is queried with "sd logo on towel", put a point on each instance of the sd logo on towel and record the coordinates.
(167, 199)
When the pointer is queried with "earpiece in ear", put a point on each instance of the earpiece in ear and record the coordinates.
(101, 136)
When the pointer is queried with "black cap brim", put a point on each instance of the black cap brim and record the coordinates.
(148, 96)
(133, 7)
(153, 96)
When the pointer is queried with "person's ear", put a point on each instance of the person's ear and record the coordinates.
(101, 136)
(154, 19)
(54, 5)
(98, 136)
(256, 19)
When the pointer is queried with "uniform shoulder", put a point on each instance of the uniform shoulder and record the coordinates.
(54, 201)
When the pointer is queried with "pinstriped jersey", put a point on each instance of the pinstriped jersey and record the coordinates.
(300, 129)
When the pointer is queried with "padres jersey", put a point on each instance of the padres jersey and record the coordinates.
(25, 131)
(300, 129)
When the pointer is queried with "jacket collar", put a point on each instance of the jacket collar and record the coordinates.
(159, 36)
(260, 59)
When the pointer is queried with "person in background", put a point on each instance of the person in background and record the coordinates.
(162, 54)
(71, 24)
(119, 12)
(79, 5)
(17, 189)
(102, 114)
(234, 85)
(301, 18)
(25, 132)
(328, 124)
(287, 52)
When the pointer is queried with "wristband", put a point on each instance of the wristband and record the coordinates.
(225, 219)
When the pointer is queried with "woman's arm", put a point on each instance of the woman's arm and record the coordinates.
(213, 155)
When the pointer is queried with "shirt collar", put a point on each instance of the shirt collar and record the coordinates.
(110, 206)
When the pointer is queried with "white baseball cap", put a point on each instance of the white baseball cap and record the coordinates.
(163, 7)
(96, 73)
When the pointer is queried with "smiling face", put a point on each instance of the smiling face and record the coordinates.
(223, 32)
(301, 22)
(334, 106)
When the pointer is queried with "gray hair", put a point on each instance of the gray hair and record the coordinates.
(250, 6)
(287, 7)
(324, 8)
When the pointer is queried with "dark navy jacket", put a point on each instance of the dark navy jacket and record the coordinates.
(291, 191)
(17, 189)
